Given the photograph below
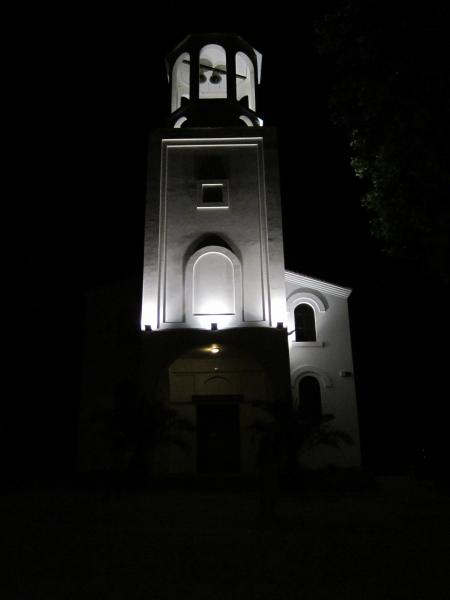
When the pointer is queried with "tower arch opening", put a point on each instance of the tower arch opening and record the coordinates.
(245, 81)
(213, 288)
(212, 72)
(180, 81)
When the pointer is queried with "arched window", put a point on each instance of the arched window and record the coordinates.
(245, 80)
(213, 285)
(305, 324)
(180, 82)
(213, 72)
(309, 401)
(213, 289)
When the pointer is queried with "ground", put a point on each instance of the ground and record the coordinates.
(387, 544)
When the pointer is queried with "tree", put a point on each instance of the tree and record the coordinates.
(286, 435)
(391, 94)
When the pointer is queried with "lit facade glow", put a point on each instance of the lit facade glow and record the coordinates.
(241, 280)
(214, 271)
(214, 240)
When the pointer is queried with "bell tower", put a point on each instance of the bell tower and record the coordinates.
(213, 254)
(214, 81)
(226, 329)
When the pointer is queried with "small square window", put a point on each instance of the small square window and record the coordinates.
(213, 194)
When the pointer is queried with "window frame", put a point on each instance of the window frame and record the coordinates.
(311, 315)
(318, 304)
(205, 183)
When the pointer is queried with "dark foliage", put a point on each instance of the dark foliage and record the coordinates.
(392, 96)
(286, 435)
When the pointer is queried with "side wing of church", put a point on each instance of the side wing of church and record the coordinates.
(225, 329)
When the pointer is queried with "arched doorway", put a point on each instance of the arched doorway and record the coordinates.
(309, 399)
(218, 388)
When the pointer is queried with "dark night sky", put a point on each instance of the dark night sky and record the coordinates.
(94, 86)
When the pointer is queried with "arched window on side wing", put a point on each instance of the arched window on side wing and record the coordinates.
(309, 399)
(305, 323)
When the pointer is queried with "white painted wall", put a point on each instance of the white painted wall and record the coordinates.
(249, 222)
(329, 359)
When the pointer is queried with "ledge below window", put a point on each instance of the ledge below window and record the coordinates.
(307, 344)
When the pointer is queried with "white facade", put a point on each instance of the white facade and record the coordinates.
(238, 279)
(226, 330)
(328, 359)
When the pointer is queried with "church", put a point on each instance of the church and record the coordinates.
(224, 327)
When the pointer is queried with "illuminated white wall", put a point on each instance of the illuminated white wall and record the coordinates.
(329, 359)
(213, 290)
(184, 289)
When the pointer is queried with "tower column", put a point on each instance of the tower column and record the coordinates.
(195, 71)
(231, 73)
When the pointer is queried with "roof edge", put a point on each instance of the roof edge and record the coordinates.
(317, 284)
